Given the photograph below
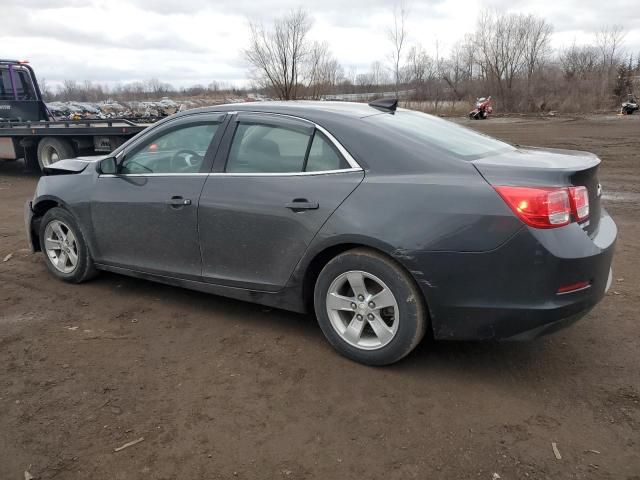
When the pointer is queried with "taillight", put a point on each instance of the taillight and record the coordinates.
(579, 202)
(538, 207)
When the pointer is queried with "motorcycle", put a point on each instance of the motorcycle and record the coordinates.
(483, 109)
(630, 106)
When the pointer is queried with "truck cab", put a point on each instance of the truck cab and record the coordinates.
(20, 97)
(28, 130)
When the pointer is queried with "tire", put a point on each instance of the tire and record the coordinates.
(84, 268)
(50, 150)
(405, 321)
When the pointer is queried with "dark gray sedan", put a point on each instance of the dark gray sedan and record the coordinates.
(388, 223)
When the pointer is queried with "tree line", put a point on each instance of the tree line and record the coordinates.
(152, 89)
(509, 56)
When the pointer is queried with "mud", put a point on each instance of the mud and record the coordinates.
(224, 389)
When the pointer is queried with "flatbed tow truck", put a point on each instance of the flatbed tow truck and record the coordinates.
(28, 129)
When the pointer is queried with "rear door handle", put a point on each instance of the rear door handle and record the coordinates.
(299, 204)
(178, 201)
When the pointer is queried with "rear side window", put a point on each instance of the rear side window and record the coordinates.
(432, 131)
(267, 149)
(261, 148)
(24, 86)
(324, 156)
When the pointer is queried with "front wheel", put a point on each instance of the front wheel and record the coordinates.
(369, 308)
(65, 250)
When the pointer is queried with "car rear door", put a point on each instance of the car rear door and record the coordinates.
(145, 216)
(275, 182)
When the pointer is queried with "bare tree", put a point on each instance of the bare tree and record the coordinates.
(420, 65)
(536, 49)
(318, 57)
(578, 61)
(157, 88)
(501, 40)
(45, 90)
(454, 70)
(609, 42)
(397, 34)
(277, 54)
(379, 75)
(324, 71)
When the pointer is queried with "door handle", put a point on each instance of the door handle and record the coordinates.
(300, 204)
(178, 201)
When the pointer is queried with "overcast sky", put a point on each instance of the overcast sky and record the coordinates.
(196, 41)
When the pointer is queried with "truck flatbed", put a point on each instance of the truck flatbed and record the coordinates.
(28, 129)
(115, 126)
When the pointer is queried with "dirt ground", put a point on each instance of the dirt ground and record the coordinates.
(224, 389)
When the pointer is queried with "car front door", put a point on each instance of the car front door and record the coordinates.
(145, 216)
(275, 182)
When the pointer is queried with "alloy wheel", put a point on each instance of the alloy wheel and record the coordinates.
(362, 310)
(61, 246)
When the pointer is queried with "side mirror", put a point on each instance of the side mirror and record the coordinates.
(108, 166)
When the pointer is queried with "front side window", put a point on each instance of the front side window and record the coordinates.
(180, 150)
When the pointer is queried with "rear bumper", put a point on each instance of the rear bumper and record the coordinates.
(511, 292)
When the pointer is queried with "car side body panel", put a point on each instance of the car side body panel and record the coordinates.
(269, 238)
(484, 274)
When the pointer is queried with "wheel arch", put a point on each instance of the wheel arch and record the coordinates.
(39, 208)
(327, 252)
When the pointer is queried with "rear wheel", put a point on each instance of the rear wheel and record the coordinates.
(65, 250)
(369, 308)
(50, 150)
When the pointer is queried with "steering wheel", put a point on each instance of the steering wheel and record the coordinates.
(185, 160)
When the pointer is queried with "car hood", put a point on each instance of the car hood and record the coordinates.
(71, 165)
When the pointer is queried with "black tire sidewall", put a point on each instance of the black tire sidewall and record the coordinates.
(412, 319)
(85, 265)
(63, 147)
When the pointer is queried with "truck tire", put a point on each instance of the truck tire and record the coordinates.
(50, 150)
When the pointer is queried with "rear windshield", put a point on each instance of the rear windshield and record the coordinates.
(436, 132)
(21, 81)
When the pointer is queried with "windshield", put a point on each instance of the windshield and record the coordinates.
(442, 134)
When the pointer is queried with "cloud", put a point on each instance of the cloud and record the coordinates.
(197, 41)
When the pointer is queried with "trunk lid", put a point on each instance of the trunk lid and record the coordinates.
(547, 167)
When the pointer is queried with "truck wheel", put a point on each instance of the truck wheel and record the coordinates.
(50, 150)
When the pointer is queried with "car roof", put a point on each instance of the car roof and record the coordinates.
(302, 108)
(369, 143)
